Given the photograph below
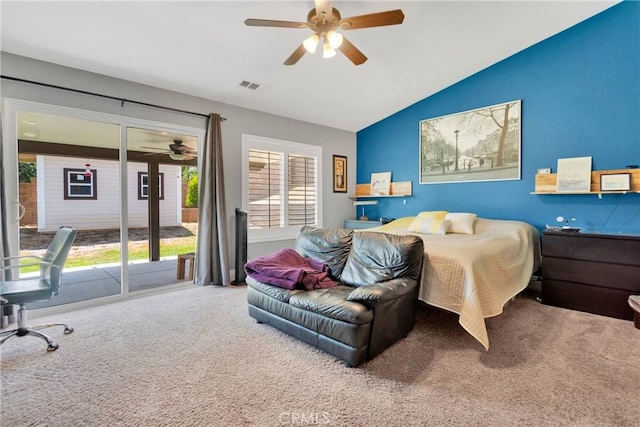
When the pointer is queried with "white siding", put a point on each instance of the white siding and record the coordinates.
(138, 209)
(104, 212)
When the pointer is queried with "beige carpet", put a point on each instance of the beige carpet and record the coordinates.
(195, 358)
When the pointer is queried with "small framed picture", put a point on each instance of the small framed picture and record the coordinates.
(615, 182)
(574, 175)
(380, 184)
(339, 174)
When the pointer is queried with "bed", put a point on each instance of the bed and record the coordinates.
(475, 275)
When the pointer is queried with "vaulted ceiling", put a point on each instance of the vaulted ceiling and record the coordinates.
(205, 49)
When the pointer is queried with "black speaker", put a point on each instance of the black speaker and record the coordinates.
(241, 246)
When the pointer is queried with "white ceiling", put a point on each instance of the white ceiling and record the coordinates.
(67, 130)
(204, 49)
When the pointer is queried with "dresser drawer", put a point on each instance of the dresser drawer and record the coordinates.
(592, 299)
(592, 247)
(591, 272)
(615, 276)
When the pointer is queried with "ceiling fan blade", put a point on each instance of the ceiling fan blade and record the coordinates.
(352, 52)
(391, 17)
(273, 23)
(323, 6)
(296, 55)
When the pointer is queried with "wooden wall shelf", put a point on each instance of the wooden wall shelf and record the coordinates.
(546, 183)
(398, 189)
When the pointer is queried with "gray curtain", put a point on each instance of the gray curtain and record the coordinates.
(7, 313)
(212, 247)
(4, 218)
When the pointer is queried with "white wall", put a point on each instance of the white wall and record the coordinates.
(104, 212)
(336, 206)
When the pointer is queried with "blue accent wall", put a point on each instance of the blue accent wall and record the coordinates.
(580, 93)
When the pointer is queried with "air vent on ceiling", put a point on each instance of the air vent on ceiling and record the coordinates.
(250, 85)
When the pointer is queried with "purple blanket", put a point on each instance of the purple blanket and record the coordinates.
(288, 269)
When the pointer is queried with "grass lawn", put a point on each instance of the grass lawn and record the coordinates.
(107, 254)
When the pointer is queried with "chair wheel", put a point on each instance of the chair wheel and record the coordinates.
(52, 347)
(68, 330)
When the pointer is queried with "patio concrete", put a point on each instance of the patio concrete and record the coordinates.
(85, 283)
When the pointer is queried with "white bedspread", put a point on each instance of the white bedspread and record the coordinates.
(476, 275)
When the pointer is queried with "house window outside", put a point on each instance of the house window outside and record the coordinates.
(143, 185)
(80, 185)
(281, 187)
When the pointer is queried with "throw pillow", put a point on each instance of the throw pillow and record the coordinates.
(432, 214)
(461, 222)
(430, 226)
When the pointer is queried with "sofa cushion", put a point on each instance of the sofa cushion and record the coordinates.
(378, 257)
(280, 294)
(333, 303)
(327, 245)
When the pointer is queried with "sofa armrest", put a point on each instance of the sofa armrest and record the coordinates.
(384, 292)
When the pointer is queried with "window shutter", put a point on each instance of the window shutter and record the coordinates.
(266, 187)
(302, 206)
(281, 187)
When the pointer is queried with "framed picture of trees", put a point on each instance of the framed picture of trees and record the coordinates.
(476, 145)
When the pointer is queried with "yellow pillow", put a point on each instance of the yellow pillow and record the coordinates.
(397, 224)
(430, 226)
(403, 222)
(432, 214)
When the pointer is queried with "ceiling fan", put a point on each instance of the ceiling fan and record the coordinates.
(324, 20)
(177, 151)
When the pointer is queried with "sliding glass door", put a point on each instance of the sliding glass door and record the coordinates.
(68, 173)
(96, 172)
(160, 227)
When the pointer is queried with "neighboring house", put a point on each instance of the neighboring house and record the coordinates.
(68, 195)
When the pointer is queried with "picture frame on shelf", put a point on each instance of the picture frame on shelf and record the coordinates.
(380, 184)
(339, 174)
(574, 175)
(615, 182)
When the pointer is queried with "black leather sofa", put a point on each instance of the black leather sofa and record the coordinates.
(373, 305)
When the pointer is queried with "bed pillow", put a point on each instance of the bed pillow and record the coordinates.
(430, 226)
(432, 214)
(461, 223)
(403, 222)
(400, 224)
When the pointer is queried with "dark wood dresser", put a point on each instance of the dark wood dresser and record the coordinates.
(590, 272)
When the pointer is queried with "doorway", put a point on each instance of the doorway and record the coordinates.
(94, 172)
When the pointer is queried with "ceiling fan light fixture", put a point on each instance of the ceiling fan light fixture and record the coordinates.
(327, 50)
(335, 39)
(311, 43)
(177, 156)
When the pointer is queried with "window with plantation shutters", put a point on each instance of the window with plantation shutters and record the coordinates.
(266, 187)
(302, 204)
(281, 187)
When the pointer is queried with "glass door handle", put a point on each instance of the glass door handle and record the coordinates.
(21, 210)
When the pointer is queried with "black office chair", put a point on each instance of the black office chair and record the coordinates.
(43, 288)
